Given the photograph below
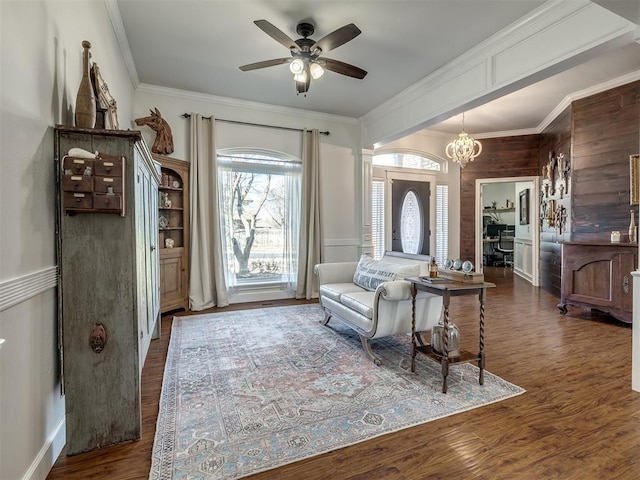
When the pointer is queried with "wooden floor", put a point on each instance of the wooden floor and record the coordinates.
(579, 418)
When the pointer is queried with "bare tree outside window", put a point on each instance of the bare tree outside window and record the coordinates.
(254, 204)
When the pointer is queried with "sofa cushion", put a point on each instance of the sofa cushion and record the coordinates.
(361, 302)
(335, 290)
(370, 273)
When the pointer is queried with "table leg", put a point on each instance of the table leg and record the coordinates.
(481, 353)
(445, 342)
(414, 292)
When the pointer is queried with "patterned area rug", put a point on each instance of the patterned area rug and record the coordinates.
(247, 391)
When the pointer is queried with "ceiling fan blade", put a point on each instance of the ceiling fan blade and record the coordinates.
(337, 38)
(277, 34)
(342, 68)
(265, 63)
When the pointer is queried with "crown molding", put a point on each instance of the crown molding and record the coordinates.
(507, 133)
(121, 36)
(587, 92)
(237, 103)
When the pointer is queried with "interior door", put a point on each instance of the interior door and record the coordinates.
(410, 216)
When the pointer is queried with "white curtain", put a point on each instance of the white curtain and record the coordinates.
(309, 247)
(206, 276)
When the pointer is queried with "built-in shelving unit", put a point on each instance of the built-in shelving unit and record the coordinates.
(488, 211)
(173, 233)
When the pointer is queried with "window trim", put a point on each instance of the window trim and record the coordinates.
(278, 163)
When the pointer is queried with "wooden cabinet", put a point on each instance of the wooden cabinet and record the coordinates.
(173, 233)
(598, 276)
(108, 294)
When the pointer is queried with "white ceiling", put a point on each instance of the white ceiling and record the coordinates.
(198, 45)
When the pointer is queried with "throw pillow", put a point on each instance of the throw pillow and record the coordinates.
(370, 273)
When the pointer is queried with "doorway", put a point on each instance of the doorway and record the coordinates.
(509, 203)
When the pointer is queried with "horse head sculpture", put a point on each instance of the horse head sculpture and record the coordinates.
(164, 139)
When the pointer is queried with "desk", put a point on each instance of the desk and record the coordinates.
(446, 291)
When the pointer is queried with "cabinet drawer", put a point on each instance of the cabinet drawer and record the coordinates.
(77, 166)
(108, 168)
(101, 184)
(77, 183)
(74, 200)
(107, 202)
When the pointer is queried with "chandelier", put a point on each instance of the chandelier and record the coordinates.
(464, 148)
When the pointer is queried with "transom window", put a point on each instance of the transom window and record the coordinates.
(406, 160)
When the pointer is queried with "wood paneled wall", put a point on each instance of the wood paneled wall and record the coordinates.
(500, 157)
(605, 132)
(556, 138)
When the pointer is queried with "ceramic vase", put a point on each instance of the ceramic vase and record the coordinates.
(632, 228)
(86, 99)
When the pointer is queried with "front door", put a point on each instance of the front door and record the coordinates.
(410, 216)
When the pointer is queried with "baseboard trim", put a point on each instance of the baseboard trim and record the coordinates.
(17, 290)
(48, 454)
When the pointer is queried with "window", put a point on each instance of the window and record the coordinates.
(377, 218)
(259, 201)
(442, 223)
(406, 160)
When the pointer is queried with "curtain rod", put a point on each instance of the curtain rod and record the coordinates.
(188, 115)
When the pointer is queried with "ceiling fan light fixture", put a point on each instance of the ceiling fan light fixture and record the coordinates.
(304, 63)
(301, 77)
(316, 70)
(297, 66)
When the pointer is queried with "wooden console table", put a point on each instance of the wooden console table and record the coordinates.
(447, 290)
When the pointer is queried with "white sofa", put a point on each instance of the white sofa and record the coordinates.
(373, 298)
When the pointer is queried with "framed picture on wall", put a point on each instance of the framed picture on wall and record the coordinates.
(524, 207)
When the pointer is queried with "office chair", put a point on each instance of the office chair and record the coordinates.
(505, 246)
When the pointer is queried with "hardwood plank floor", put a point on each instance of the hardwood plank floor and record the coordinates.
(579, 418)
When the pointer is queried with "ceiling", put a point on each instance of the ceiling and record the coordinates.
(198, 45)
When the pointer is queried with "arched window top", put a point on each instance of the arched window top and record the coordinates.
(256, 154)
(407, 160)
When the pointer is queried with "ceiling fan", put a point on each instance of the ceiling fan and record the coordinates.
(306, 62)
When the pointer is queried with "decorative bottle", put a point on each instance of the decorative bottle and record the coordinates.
(632, 228)
(453, 339)
(85, 99)
(433, 268)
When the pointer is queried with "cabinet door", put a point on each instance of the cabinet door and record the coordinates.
(172, 287)
(148, 261)
(628, 262)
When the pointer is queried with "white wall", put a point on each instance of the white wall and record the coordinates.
(41, 58)
(500, 193)
(524, 231)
